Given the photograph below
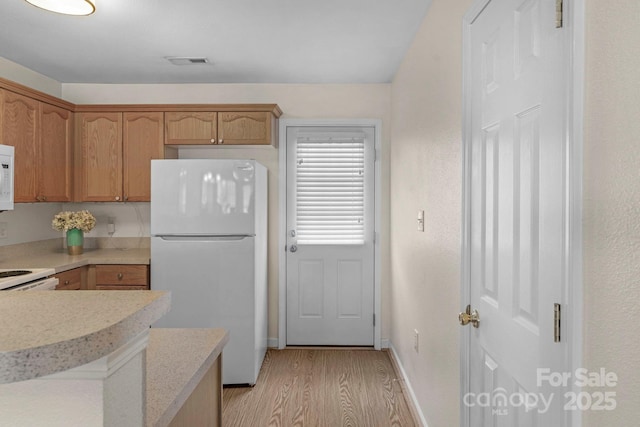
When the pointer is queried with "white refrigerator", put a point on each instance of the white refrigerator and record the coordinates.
(209, 248)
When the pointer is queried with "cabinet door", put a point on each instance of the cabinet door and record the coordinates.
(54, 156)
(244, 128)
(122, 277)
(20, 129)
(72, 280)
(101, 141)
(143, 138)
(190, 128)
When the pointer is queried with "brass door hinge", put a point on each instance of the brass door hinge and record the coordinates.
(557, 318)
(559, 4)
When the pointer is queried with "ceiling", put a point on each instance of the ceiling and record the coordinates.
(246, 41)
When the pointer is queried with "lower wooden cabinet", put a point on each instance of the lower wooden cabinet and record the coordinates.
(203, 407)
(71, 280)
(121, 277)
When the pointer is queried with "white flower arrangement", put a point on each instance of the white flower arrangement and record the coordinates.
(82, 220)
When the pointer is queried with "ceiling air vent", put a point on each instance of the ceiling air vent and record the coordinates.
(185, 60)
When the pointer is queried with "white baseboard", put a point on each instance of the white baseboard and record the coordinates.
(274, 343)
(407, 383)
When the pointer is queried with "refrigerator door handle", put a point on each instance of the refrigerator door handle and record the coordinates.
(216, 238)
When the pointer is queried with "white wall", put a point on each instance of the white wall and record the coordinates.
(130, 219)
(426, 160)
(295, 100)
(19, 74)
(29, 222)
(612, 203)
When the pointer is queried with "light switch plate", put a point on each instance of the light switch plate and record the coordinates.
(420, 220)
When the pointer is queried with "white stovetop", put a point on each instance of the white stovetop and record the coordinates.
(35, 273)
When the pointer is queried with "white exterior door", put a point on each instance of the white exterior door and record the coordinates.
(515, 205)
(330, 231)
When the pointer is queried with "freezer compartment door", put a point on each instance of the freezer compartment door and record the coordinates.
(202, 196)
(212, 285)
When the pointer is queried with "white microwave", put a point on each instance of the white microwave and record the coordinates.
(6, 177)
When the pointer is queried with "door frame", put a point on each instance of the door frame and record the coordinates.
(282, 233)
(574, 22)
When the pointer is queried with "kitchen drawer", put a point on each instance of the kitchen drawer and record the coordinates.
(122, 275)
(70, 280)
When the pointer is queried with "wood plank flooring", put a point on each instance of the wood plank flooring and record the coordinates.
(318, 387)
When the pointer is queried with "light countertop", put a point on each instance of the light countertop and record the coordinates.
(177, 359)
(59, 260)
(42, 333)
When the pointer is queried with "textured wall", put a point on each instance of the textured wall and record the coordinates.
(612, 202)
(426, 161)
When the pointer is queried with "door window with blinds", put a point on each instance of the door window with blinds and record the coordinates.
(331, 187)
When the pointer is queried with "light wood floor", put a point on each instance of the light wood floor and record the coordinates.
(317, 387)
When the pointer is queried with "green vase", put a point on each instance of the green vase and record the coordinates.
(75, 241)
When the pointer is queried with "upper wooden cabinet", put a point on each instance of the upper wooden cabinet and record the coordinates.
(191, 128)
(220, 128)
(20, 116)
(42, 136)
(246, 128)
(102, 153)
(55, 154)
(116, 153)
(143, 135)
(100, 138)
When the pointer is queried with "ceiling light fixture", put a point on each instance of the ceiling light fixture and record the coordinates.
(66, 7)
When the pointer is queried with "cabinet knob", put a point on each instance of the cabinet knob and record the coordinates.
(117, 198)
(66, 282)
(213, 140)
(220, 141)
(119, 276)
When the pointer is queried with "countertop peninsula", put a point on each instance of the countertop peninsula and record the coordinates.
(177, 361)
(42, 333)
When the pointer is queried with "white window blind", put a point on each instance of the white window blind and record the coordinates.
(330, 191)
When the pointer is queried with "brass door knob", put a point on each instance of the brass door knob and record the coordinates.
(468, 316)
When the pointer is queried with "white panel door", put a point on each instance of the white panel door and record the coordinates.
(516, 198)
(330, 229)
